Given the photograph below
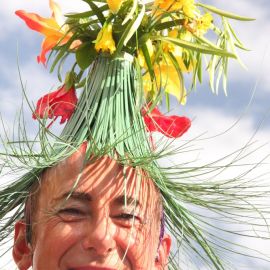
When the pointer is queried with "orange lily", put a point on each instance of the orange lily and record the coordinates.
(54, 30)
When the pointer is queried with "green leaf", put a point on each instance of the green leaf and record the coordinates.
(97, 11)
(60, 65)
(85, 55)
(131, 13)
(180, 75)
(148, 60)
(70, 79)
(62, 52)
(86, 14)
(207, 42)
(168, 24)
(130, 29)
(195, 47)
(135, 26)
(120, 43)
(231, 42)
(225, 13)
(199, 67)
(238, 42)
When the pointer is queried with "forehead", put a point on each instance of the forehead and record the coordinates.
(102, 179)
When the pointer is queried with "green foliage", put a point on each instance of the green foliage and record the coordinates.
(135, 23)
(108, 116)
(223, 13)
(85, 55)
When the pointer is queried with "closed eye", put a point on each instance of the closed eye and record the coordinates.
(71, 214)
(73, 211)
(127, 220)
(126, 216)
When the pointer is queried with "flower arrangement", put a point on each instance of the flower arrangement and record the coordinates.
(167, 39)
(128, 56)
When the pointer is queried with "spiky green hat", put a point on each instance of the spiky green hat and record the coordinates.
(128, 56)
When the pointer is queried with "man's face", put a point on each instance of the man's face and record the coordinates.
(111, 220)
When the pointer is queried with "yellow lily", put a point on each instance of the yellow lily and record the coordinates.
(176, 50)
(114, 5)
(53, 29)
(167, 78)
(169, 47)
(104, 41)
(187, 6)
(167, 5)
(203, 23)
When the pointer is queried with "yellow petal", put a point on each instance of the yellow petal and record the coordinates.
(147, 84)
(167, 5)
(104, 41)
(171, 82)
(188, 8)
(150, 47)
(204, 23)
(56, 13)
(114, 5)
(167, 78)
(169, 47)
(141, 58)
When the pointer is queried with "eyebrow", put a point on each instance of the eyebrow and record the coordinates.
(126, 200)
(121, 200)
(76, 195)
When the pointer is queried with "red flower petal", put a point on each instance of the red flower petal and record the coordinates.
(171, 126)
(60, 103)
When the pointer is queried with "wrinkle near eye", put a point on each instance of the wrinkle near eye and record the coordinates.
(72, 210)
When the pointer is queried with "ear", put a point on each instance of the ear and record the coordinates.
(163, 253)
(22, 253)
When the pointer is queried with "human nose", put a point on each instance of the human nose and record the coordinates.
(100, 236)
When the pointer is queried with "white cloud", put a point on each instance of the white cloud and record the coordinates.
(9, 22)
(254, 34)
(214, 122)
(215, 145)
(35, 86)
(217, 135)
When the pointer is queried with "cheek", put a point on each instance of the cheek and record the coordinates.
(53, 239)
(140, 247)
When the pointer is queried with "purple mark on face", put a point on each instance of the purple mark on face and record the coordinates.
(162, 227)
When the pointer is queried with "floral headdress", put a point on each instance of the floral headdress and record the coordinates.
(127, 57)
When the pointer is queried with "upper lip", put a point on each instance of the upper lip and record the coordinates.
(92, 268)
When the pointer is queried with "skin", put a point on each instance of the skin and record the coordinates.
(100, 226)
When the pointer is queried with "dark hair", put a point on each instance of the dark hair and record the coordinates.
(30, 208)
(28, 219)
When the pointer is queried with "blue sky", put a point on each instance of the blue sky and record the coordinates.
(211, 114)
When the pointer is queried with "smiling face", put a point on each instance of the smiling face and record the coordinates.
(111, 220)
